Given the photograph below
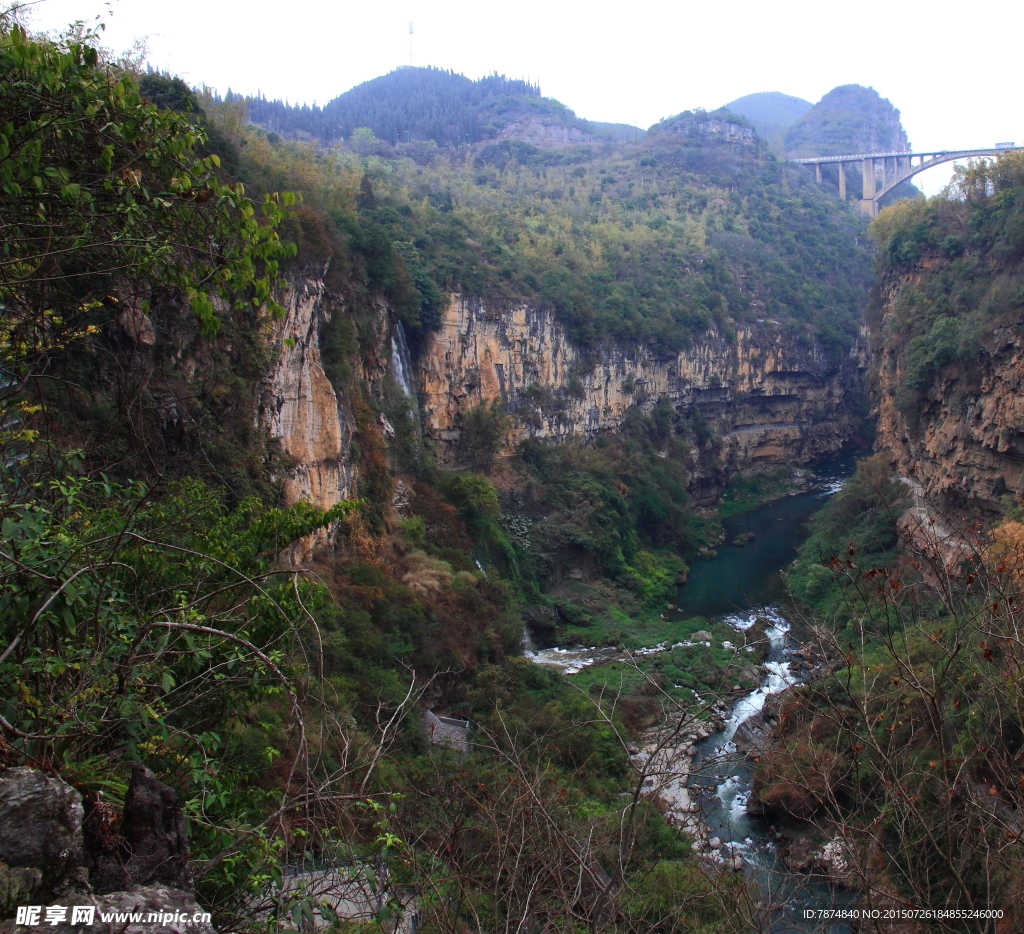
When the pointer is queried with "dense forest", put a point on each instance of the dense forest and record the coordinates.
(413, 105)
(651, 243)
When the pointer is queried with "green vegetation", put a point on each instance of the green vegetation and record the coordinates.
(849, 119)
(964, 250)
(913, 744)
(639, 243)
(746, 492)
(859, 520)
(412, 108)
(161, 604)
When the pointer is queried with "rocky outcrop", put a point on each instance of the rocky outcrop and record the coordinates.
(41, 847)
(299, 406)
(961, 445)
(543, 131)
(704, 129)
(153, 827)
(768, 398)
(47, 861)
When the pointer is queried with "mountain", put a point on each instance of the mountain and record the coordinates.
(431, 104)
(770, 107)
(771, 112)
(849, 119)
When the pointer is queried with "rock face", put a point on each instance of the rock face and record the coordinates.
(540, 131)
(299, 405)
(301, 408)
(703, 129)
(966, 450)
(46, 859)
(768, 398)
(40, 830)
(153, 827)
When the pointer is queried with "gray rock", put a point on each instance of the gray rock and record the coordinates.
(141, 900)
(753, 735)
(701, 636)
(40, 829)
(154, 831)
(16, 886)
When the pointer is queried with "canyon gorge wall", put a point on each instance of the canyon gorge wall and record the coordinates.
(963, 441)
(770, 398)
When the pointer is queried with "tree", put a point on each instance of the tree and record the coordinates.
(105, 198)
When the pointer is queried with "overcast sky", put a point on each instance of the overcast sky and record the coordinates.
(952, 69)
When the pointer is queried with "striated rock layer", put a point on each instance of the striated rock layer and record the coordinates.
(769, 398)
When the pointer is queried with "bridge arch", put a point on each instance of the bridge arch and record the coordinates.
(897, 167)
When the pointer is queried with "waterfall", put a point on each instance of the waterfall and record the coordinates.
(401, 370)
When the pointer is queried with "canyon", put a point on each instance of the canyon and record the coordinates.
(769, 397)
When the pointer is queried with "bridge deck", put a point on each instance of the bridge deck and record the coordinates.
(860, 157)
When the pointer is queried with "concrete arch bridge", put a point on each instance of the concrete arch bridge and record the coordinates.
(883, 171)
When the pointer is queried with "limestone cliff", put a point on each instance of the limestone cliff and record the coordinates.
(768, 398)
(312, 421)
(543, 131)
(299, 406)
(964, 441)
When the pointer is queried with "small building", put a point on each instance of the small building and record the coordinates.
(447, 731)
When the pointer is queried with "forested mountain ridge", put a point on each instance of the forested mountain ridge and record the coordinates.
(411, 105)
(849, 119)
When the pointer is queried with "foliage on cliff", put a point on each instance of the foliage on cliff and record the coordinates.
(93, 179)
(950, 274)
(860, 519)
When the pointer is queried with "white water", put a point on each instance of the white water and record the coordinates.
(571, 660)
(401, 370)
(574, 658)
(401, 363)
(777, 674)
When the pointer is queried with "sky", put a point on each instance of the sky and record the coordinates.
(951, 69)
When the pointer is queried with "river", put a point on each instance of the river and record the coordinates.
(741, 584)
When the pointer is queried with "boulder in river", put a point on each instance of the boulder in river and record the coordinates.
(753, 735)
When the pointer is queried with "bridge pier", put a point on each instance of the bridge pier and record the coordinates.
(817, 172)
(842, 180)
(867, 204)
